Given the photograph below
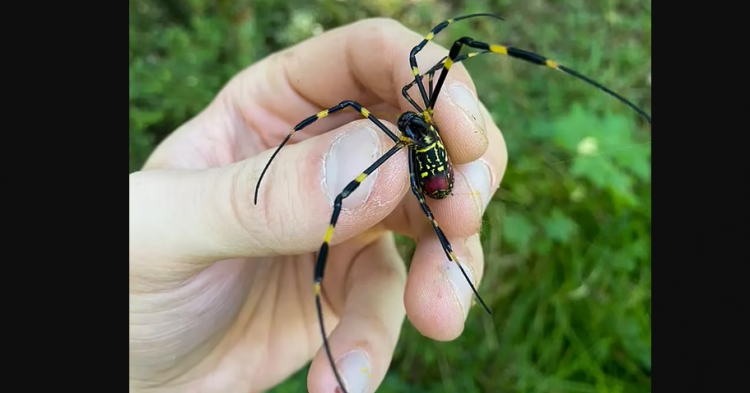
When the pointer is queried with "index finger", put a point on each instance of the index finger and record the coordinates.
(368, 62)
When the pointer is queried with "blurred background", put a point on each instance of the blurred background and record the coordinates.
(568, 235)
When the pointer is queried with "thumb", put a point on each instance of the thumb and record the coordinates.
(208, 215)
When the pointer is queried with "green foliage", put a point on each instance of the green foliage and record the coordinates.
(567, 238)
(176, 69)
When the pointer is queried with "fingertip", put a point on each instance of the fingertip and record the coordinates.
(437, 296)
(460, 214)
(362, 343)
(298, 192)
(476, 182)
(461, 121)
(497, 151)
(380, 192)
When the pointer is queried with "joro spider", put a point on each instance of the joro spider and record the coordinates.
(430, 168)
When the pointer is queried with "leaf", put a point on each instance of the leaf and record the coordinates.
(559, 227)
(518, 230)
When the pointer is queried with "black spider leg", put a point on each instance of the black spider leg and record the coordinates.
(417, 191)
(431, 73)
(405, 93)
(431, 35)
(323, 254)
(312, 119)
(523, 55)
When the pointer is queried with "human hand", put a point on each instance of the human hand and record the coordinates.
(221, 291)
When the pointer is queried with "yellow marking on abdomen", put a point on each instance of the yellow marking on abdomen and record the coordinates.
(361, 178)
(329, 234)
(322, 114)
(503, 50)
(365, 112)
(441, 168)
(552, 64)
(428, 148)
(423, 174)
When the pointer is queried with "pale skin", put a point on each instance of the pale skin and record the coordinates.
(221, 291)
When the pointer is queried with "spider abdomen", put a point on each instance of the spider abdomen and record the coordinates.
(434, 170)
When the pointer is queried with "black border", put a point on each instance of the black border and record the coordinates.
(700, 169)
(64, 203)
(61, 293)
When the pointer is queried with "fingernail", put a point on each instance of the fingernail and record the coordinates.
(465, 100)
(461, 287)
(350, 154)
(479, 177)
(355, 370)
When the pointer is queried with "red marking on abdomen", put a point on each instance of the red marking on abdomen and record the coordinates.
(440, 185)
(436, 183)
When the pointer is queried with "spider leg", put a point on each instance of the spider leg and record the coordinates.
(312, 119)
(417, 191)
(522, 54)
(430, 73)
(323, 253)
(429, 37)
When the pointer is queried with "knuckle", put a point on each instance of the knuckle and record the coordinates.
(381, 23)
(379, 33)
(274, 220)
(251, 223)
(238, 202)
(273, 225)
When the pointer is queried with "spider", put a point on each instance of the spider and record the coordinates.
(430, 168)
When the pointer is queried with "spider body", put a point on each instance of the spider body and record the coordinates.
(430, 169)
(433, 165)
